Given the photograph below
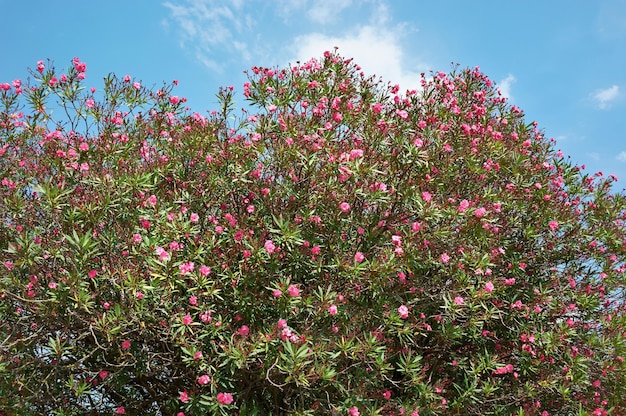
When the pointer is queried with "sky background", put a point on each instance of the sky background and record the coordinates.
(561, 61)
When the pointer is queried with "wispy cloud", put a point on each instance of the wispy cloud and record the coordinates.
(326, 11)
(605, 97)
(621, 156)
(208, 27)
(505, 86)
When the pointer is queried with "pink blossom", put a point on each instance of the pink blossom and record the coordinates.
(193, 300)
(463, 205)
(137, 238)
(186, 268)
(139, 295)
(553, 225)
(416, 226)
(205, 270)
(8, 265)
(387, 394)
(103, 374)
(445, 258)
(204, 379)
(403, 311)
(277, 293)
(120, 410)
(183, 396)
(332, 309)
(244, 330)
(270, 247)
(458, 300)
(224, 398)
(353, 411)
(187, 319)
(489, 287)
(480, 212)
(293, 291)
(125, 344)
(426, 196)
(359, 257)
(194, 217)
(402, 114)
(174, 99)
(282, 323)
(92, 273)
(344, 207)
(52, 285)
(315, 250)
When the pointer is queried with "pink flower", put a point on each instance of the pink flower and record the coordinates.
(137, 238)
(194, 217)
(8, 265)
(480, 212)
(293, 291)
(204, 379)
(125, 344)
(183, 396)
(197, 355)
(205, 270)
(244, 330)
(553, 225)
(174, 99)
(344, 207)
(403, 311)
(315, 250)
(187, 319)
(426, 196)
(224, 398)
(277, 293)
(489, 287)
(52, 285)
(186, 268)
(387, 394)
(445, 258)
(353, 411)
(270, 247)
(402, 114)
(463, 205)
(103, 374)
(332, 309)
(359, 257)
(139, 295)
(92, 274)
(458, 300)
(120, 410)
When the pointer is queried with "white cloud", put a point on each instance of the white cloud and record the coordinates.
(374, 47)
(621, 156)
(505, 86)
(605, 97)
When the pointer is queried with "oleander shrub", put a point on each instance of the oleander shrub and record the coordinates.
(336, 247)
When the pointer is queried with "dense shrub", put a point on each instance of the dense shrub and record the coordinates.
(339, 248)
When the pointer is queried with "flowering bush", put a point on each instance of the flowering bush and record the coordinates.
(341, 248)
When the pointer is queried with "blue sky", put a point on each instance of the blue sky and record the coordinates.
(562, 61)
